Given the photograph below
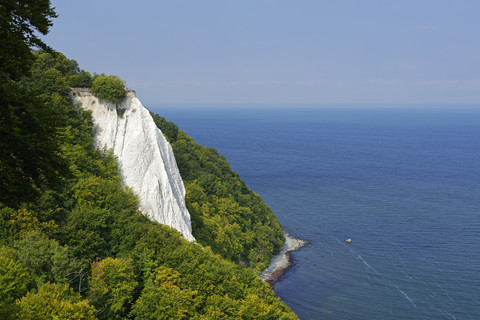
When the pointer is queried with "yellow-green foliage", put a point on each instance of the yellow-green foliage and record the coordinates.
(14, 281)
(164, 297)
(54, 301)
(22, 221)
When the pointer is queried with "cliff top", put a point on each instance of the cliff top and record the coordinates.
(87, 91)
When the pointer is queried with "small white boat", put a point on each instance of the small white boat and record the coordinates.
(348, 240)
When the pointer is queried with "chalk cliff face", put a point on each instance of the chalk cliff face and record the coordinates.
(146, 158)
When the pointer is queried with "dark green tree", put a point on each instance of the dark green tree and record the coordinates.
(20, 23)
(27, 126)
(46, 260)
(29, 157)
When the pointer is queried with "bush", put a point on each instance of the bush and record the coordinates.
(110, 88)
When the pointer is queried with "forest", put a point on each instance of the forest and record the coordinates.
(73, 244)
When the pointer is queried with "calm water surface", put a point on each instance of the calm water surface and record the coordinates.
(403, 184)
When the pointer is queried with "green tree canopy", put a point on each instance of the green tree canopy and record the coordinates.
(29, 156)
(165, 298)
(112, 285)
(54, 301)
(20, 22)
(27, 124)
(14, 281)
(110, 88)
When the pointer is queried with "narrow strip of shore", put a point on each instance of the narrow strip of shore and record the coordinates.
(282, 262)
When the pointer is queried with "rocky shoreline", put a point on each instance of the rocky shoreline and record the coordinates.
(282, 262)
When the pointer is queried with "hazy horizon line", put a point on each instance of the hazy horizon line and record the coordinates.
(317, 105)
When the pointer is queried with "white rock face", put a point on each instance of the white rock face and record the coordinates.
(146, 159)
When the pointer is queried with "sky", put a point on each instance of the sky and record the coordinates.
(278, 51)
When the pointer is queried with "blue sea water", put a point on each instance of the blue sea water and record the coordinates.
(402, 183)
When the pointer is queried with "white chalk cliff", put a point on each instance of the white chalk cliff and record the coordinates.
(145, 157)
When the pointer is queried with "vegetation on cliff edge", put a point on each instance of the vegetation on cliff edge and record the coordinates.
(109, 88)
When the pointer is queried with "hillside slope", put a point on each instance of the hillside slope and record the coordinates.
(76, 246)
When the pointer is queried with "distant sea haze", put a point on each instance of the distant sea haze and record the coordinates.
(402, 183)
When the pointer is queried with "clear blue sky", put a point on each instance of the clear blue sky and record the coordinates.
(278, 51)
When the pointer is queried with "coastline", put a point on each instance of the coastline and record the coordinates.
(282, 262)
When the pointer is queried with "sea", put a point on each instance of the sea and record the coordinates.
(402, 182)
